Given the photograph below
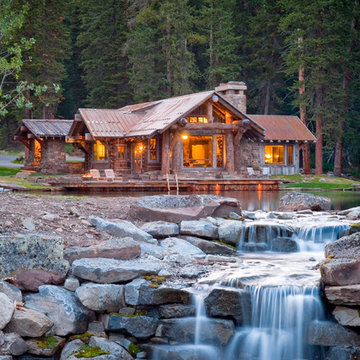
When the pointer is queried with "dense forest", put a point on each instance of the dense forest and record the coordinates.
(296, 56)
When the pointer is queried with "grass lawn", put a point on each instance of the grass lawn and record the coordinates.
(316, 181)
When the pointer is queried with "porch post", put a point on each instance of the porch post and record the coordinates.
(237, 150)
(229, 152)
(176, 154)
(165, 153)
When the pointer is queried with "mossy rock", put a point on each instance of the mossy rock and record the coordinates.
(134, 349)
(85, 337)
(225, 244)
(137, 313)
(87, 351)
(50, 342)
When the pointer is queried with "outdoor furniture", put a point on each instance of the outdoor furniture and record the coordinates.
(266, 172)
(95, 173)
(110, 175)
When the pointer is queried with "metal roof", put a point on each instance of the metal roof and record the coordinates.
(283, 127)
(48, 127)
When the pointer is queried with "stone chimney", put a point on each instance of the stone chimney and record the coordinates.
(234, 91)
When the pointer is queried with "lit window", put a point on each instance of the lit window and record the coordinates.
(121, 154)
(198, 119)
(197, 151)
(100, 152)
(153, 149)
(274, 154)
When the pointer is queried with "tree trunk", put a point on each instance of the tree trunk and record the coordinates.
(319, 118)
(306, 147)
(267, 98)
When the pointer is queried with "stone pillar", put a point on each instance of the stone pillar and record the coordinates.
(165, 153)
(176, 153)
(229, 140)
(53, 157)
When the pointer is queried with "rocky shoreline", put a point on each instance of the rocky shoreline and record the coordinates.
(130, 289)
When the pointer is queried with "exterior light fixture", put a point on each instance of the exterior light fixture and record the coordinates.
(185, 136)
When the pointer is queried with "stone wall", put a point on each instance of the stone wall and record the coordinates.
(249, 155)
(53, 157)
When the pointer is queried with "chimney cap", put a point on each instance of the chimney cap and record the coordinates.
(231, 85)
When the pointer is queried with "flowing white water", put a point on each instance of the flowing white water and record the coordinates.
(279, 324)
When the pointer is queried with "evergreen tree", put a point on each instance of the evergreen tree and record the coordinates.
(101, 40)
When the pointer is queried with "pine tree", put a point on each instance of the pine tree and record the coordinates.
(101, 40)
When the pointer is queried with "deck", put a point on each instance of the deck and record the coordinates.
(183, 185)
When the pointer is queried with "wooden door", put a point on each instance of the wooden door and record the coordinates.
(137, 151)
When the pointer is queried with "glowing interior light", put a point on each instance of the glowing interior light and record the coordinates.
(185, 137)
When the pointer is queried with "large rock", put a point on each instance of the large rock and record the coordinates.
(101, 297)
(345, 247)
(200, 228)
(138, 326)
(169, 311)
(153, 250)
(62, 307)
(116, 351)
(325, 333)
(180, 246)
(121, 249)
(345, 352)
(343, 295)
(284, 244)
(210, 247)
(29, 323)
(337, 272)
(43, 263)
(46, 346)
(212, 331)
(185, 352)
(107, 271)
(12, 344)
(347, 316)
(233, 303)
(121, 229)
(7, 309)
(296, 201)
(139, 292)
(11, 291)
(231, 232)
(161, 229)
(175, 208)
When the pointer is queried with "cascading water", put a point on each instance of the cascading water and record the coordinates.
(278, 326)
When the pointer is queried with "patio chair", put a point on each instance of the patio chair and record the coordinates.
(110, 175)
(95, 173)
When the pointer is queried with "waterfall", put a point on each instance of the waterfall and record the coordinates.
(278, 326)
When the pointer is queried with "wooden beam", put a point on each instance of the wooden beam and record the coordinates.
(213, 126)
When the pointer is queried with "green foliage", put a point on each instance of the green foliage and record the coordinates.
(134, 349)
(85, 337)
(4, 171)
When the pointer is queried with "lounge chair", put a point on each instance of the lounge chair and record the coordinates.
(110, 175)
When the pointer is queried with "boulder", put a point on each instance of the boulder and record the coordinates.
(7, 309)
(176, 311)
(121, 229)
(153, 250)
(228, 303)
(161, 229)
(175, 245)
(325, 333)
(191, 271)
(29, 323)
(136, 325)
(62, 307)
(12, 344)
(284, 244)
(296, 201)
(176, 208)
(43, 263)
(337, 272)
(343, 295)
(354, 213)
(345, 247)
(347, 316)
(185, 352)
(255, 247)
(210, 247)
(71, 283)
(200, 228)
(139, 292)
(70, 349)
(107, 271)
(345, 352)
(231, 232)
(354, 228)
(46, 346)
(101, 297)
(212, 331)
(11, 291)
(116, 351)
(122, 249)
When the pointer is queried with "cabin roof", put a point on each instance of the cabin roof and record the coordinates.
(48, 127)
(283, 127)
(148, 118)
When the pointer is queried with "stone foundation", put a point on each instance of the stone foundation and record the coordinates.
(53, 157)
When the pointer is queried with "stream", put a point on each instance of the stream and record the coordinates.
(283, 289)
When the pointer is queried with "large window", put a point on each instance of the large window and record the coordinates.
(100, 151)
(153, 149)
(121, 152)
(275, 154)
(197, 151)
